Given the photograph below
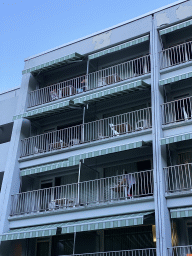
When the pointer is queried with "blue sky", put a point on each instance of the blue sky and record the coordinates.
(30, 27)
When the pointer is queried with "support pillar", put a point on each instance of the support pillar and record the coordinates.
(162, 216)
(11, 179)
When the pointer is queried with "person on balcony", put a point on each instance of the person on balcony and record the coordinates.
(130, 181)
(84, 83)
(127, 184)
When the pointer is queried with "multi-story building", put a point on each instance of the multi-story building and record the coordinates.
(96, 144)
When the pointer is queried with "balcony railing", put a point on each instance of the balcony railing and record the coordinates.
(111, 189)
(176, 111)
(178, 178)
(180, 251)
(136, 252)
(104, 77)
(88, 132)
(176, 55)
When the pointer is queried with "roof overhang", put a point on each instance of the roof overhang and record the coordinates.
(54, 63)
(77, 226)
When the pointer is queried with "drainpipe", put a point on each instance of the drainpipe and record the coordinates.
(87, 74)
(83, 134)
(79, 174)
(83, 125)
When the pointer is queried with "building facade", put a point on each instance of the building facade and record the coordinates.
(96, 144)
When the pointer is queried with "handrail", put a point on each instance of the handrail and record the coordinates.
(104, 77)
(177, 110)
(85, 133)
(110, 189)
(180, 250)
(134, 252)
(175, 55)
(178, 178)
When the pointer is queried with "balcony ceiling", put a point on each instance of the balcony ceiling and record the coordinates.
(54, 63)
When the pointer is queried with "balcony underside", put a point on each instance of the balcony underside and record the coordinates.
(73, 213)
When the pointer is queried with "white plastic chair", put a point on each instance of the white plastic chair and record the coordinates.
(142, 124)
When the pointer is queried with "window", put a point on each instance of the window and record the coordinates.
(62, 245)
(144, 165)
(47, 183)
(43, 247)
(128, 238)
(5, 132)
(185, 157)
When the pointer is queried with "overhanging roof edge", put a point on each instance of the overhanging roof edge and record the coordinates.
(119, 47)
(70, 227)
(181, 213)
(74, 160)
(50, 64)
(175, 27)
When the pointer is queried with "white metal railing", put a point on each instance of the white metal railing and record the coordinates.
(178, 177)
(104, 77)
(135, 252)
(57, 91)
(176, 55)
(178, 110)
(180, 251)
(88, 132)
(119, 72)
(115, 188)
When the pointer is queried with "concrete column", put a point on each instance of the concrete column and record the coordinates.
(11, 180)
(162, 217)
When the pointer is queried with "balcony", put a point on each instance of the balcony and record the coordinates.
(104, 77)
(178, 178)
(177, 111)
(136, 252)
(180, 251)
(87, 193)
(176, 55)
(85, 133)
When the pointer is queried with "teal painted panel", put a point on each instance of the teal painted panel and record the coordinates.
(130, 222)
(41, 110)
(107, 225)
(123, 223)
(71, 229)
(176, 138)
(119, 47)
(175, 78)
(53, 62)
(115, 224)
(181, 213)
(175, 27)
(64, 230)
(3, 238)
(187, 137)
(172, 139)
(78, 226)
(9, 237)
(41, 233)
(75, 159)
(139, 221)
